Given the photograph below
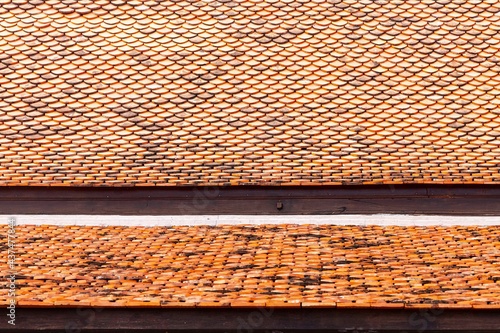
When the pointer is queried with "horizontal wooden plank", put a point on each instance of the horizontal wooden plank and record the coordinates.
(366, 199)
(251, 320)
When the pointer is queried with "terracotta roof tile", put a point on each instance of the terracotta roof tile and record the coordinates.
(266, 265)
(419, 77)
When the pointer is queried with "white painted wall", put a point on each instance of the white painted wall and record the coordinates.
(170, 220)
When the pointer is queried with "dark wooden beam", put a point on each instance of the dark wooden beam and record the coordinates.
(362, 199)
(251, 320)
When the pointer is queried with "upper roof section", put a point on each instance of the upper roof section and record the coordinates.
(205, 92)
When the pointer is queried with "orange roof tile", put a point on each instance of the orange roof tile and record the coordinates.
(272, 265)
(108, 93)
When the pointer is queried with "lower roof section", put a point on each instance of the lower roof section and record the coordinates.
(266, 266)
(432, 199)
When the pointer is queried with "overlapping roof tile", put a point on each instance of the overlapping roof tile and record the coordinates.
(235, 92)
(266, 265)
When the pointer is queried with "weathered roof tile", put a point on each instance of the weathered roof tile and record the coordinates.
(343, 266)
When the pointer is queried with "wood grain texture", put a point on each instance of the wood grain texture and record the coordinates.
(283, 200)
(252, 320)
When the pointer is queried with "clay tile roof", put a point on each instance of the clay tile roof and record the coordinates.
(266, 265)
(298, 92)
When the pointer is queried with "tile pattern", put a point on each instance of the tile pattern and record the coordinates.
(266, 265)
(249, 92)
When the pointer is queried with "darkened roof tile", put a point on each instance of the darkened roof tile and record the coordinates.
(217, 266)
